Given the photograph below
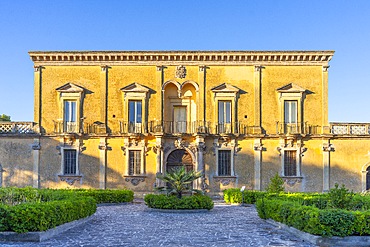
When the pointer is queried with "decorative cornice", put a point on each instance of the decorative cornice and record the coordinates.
(177, 58)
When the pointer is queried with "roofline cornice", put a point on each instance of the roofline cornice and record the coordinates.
(180, 57)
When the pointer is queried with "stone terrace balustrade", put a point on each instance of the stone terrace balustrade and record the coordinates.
(350, 128)
(18, 128)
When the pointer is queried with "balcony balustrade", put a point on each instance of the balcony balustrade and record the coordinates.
(300, 128)
(17, 128)
(66, 127)
(198, 127)
(132, 128)
(350, 128)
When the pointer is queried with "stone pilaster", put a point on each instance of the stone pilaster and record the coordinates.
(325, 105)
(36, 163)
(158, 149)
(104, 91)
(257, 99)
(257, 163)
(326, 148)
(103, 148)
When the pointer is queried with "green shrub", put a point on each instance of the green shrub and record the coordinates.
(234, 195)
(43, 216)
(4, 220)
(108, 196)
(325, 222)
(30, 209)
(173, 202)
(276, 184)
(338, 222)
(340, 197)
(362, 223)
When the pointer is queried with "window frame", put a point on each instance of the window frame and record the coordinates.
(224, 167)
(135, 166)
(290, 160)
(63, 163)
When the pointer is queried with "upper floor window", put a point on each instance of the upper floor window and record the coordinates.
(70, 116)
(226, 99)
(135, 101)
(70, 109)
(291, 109)
(135, 117)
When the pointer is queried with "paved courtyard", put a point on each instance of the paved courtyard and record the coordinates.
(136, 225)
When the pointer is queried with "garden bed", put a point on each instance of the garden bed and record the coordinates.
(164, 202)
(37, 210)
(337, 213)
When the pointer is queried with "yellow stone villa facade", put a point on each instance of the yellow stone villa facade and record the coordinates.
(115, 119)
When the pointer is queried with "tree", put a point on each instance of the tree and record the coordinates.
(179, 181)
(4, 117)
(276, 184)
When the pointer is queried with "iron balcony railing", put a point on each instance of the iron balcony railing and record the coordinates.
(350, 128)
(198, 127)
(17, 127)
(132, 128)
(68, 127)
(297, 128)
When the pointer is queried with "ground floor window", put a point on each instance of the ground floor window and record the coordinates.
(70, 162)
(290, 163)
(224, 162)
(134, 162)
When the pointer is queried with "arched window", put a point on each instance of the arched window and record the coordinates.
(368, 178)
(178, 158)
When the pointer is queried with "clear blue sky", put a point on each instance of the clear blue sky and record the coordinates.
(341, 25)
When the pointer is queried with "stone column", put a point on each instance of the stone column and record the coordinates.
(36, 163)
(327, 148)
(103, 147)
(257, 163)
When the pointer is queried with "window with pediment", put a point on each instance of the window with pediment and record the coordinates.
(135, 100)
(70, 97)
(226, 99)
(291, 97)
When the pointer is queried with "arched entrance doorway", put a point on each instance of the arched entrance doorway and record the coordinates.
(178, 158)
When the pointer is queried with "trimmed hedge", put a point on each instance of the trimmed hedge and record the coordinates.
(172, 202)
(30, 209)
(324, 222)
(43, 216)
(234, 195)
(108, 196)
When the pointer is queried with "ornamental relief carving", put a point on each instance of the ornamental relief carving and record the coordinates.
(134, 143)
(224, 180)
(292, 181)
(225, 143)
(135, 181)
(180, 72)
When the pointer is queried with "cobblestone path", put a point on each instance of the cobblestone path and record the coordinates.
(136, 225)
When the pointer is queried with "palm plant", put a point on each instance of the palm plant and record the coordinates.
(179, 181)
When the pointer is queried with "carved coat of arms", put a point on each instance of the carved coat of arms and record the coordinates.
(180, 72)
